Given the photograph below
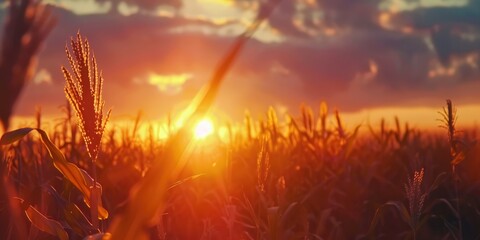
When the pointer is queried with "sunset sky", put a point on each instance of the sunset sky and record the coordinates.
(370, 58)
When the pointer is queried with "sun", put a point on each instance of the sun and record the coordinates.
(203, 129)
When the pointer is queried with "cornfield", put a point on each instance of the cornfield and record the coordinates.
(269, 180)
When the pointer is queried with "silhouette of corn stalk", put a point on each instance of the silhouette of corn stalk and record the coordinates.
(416, 199)
(27, 25)
(410, 214)
(263, 166)
(457, 156)
(84, 92)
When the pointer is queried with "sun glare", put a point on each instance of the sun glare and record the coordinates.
(203, 129)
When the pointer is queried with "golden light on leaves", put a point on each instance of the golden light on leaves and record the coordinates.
(203, 129)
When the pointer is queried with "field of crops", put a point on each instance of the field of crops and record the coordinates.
(302, 177)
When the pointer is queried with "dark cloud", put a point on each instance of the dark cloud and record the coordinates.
(397, 42)
(350, 13)
(445, 26)
(282, 19)
(454, 31)
(435, 16)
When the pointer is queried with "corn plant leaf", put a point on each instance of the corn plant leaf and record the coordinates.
(451, 228)
(177, 183)
(287, 214)
(99, 236)
(375, 135)
(402, 210)
(323, 221)
(438, 180)
(375, 220)
(459, 157)
(400, 207)
(15, 135)
(350, 142)
(46, 224)
(448, 204)
(78, 177)
(74, 217)
(273, 217)
(77, 220)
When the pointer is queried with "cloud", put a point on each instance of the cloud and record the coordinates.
(362, 65)
(42, 77)
(143, 5)
(454, 31)
(169, 84)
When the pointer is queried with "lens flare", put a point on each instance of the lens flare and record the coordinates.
(203, 129)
